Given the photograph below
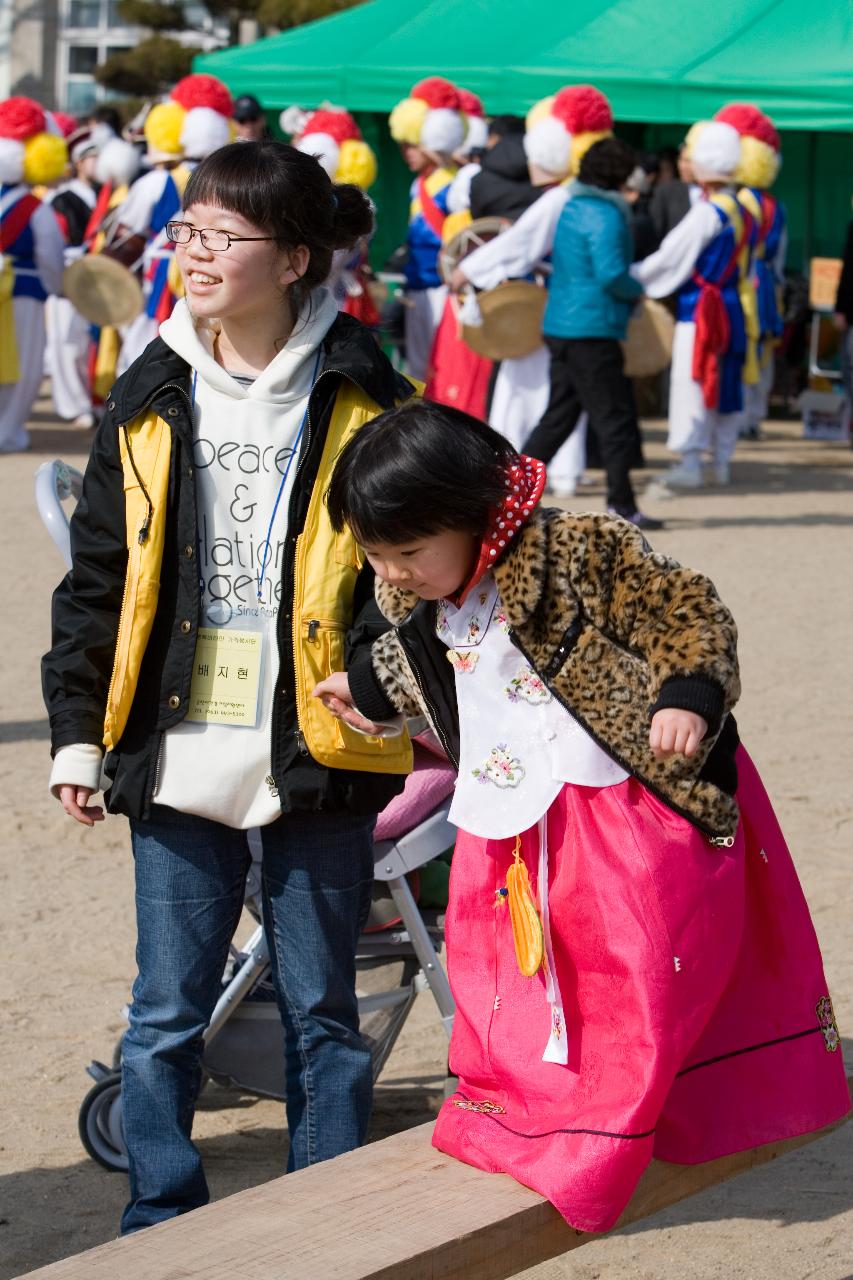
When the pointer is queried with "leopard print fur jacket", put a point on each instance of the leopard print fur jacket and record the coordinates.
(617, 631)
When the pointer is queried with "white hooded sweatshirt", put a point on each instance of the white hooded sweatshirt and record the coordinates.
(244, 436)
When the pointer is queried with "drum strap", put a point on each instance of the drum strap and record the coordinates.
(433, 215)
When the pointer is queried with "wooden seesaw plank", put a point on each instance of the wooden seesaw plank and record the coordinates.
(395, 1210)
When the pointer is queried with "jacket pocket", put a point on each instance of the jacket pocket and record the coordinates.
(320, 644)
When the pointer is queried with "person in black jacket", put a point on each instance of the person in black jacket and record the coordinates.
(503, 187)
(206, 588)
(843, 317)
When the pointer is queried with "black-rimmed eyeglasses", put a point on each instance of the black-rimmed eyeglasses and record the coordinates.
(216, 241)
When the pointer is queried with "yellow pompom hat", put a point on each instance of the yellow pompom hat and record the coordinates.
(32, 148)
(193, 122)
(563, 127)
(760, 158)
(333, 137)
(431, 117)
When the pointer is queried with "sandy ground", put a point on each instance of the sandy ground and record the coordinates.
(779, 545)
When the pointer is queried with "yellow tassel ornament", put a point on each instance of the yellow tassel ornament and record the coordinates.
(524, 916)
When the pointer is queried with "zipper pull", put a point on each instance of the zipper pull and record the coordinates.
(270, 781)
(721, 842)
(313, 628)
(301, 744)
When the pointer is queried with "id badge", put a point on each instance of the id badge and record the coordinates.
(226, 680)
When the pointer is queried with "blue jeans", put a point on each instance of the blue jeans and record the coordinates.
(190, 876)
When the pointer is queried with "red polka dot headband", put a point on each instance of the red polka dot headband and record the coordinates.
(524, 487)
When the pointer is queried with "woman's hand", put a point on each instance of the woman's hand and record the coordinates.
(334, 693)
(458, 280)
(75, 801)
(676, 733)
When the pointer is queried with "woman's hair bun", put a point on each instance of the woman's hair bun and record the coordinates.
(353, 217)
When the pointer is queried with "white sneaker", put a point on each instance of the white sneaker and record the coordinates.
(564, 490)
(682, 477)
(84, 420)
(722, 473)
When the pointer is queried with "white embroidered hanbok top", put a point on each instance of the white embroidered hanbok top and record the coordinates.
(518, 745)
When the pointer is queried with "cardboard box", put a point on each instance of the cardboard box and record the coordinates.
(824, 275)
(826, 416)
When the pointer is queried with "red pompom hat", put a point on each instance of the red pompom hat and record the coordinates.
(21, 118)
(203, 91)
(760, 151)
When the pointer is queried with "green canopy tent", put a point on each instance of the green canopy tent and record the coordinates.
(661, 65)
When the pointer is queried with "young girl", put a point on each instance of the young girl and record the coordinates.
(632, 958)
(209, 593)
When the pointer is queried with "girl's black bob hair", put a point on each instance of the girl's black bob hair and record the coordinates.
(289, 195)
(417, 470)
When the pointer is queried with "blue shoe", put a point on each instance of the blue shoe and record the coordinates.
(638, 518)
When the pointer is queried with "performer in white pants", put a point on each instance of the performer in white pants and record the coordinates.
(559, 131)
(31, 261)
(69, 335)
(700, 261)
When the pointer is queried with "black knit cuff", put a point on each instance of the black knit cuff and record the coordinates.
(368, 694)
(698, 694)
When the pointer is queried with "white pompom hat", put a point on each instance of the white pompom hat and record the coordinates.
(548, 145)
(204, 131)
(118, 162)
(431, 117)
(714, 151)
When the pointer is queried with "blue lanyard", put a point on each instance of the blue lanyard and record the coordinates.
(267, 548)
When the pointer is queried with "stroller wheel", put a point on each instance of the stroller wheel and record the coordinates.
(100, 1125)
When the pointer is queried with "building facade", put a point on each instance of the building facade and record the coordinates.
(49, 49)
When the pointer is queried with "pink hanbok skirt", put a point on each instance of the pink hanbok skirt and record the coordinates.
(697, 1012)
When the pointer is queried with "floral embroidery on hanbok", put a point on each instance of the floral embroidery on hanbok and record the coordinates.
(503, 621)
(474, 629)
(464, 662)
(529, 687)
(828, 1025)
(501, 768)
(441, 623)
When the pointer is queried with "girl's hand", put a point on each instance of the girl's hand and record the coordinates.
(675, 732)
(335, 696)
(75, 801)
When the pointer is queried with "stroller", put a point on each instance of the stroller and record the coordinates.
(397, 955)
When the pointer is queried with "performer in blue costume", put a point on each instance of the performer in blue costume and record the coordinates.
(32, 153)
(702, 261)
(429, 126)
(759, 166)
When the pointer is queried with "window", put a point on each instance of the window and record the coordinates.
(82, 59)
(84, 13)
(80, 96)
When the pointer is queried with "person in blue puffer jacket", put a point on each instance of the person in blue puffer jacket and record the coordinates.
(590, 300)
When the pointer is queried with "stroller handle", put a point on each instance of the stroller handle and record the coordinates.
(56, 481)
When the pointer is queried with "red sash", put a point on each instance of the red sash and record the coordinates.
(768, 213)
(433, 216)
(713, 330)
(16, 220)
(98, 214)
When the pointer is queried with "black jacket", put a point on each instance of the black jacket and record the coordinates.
(844, 297)
(670, 203)
(86, 606)
(503, 187)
